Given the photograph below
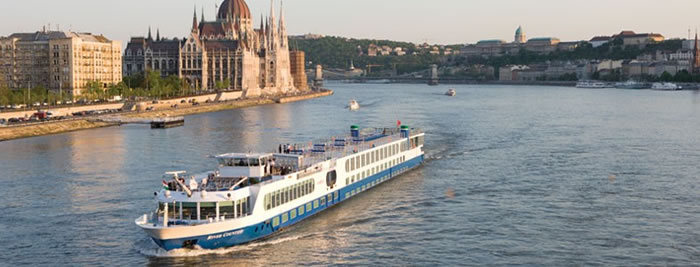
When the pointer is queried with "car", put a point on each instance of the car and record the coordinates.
(13, 120)
(195, 104)
(3, 121)
(183, 101)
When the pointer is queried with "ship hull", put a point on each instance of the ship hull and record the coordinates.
(265, 228)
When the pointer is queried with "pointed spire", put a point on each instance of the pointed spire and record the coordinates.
(202, 14)
(262, 22)
(158, 34)
(283, 26)
(150, 36)
(194, 20)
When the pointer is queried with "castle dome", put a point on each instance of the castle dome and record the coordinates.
(519, 30)
(237, 9)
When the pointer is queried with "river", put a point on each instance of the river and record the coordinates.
(514, 175)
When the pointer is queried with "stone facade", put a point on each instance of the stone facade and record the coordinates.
(226, 51)
(59, 61)
(298, 65)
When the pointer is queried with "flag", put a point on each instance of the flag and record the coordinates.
(165, 185)
(398, 123)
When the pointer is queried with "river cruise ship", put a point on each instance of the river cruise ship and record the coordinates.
(252, 196)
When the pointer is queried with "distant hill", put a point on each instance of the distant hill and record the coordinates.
(338, 52)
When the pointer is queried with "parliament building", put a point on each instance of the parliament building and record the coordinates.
(228, 50)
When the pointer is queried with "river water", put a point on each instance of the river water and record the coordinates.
(514, 175)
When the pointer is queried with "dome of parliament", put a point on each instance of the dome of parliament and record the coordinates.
(236, 8)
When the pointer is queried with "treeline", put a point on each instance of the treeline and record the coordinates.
(151, 85)
(338, 52)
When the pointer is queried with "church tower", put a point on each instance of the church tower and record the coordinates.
(520, 37)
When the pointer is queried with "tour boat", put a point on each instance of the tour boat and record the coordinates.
(591, 85)
(632, 85)
(665, 86)
(451, 92)
(353, 105)
(252, 196)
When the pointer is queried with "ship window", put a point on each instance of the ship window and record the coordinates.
(308, 206)
(293, 214)
(276, 221)
(352, 164)
(316, 204)
(277, 198)
(347, 166)
(285, 217)
(226, 209)
(301, 210)
(323, 201)
(207, 210)
(189, 210)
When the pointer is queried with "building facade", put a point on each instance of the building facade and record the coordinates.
(60, 61)
(227, 50)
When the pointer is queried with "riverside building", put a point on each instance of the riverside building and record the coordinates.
(60, 61)
(227, 50)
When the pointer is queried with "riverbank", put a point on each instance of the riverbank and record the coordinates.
(39, 129)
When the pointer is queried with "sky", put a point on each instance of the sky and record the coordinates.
(432, 21)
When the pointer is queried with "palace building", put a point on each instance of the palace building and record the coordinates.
(227, 50)
(64, 62)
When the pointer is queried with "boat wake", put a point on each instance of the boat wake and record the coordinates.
(149, 248)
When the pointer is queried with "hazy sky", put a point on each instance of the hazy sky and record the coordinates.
(434, 21)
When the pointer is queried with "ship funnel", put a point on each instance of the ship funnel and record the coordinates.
(355, 131)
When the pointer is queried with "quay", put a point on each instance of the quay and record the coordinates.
(75, 124)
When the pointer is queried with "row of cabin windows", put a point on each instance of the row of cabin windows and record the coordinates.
(289, 193)
(373, 156)
(188, 210)
(301, 210)
(375, 170)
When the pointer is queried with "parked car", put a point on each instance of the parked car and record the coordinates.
(13, 120)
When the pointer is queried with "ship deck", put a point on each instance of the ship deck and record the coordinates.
(340, 146)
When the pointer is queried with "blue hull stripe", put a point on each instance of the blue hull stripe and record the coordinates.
(280, 221)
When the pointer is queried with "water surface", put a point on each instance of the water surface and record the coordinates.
(515, 175)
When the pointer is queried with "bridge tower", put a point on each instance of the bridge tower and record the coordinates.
(318, 78)
(434, 79)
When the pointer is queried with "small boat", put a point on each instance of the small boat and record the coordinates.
(591, 85)
(632, 85)
(451, 92)
(665, 86)
(353, 105)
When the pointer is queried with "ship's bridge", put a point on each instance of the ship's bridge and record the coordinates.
(244, 165)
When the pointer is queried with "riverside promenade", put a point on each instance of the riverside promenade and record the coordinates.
(82, 123)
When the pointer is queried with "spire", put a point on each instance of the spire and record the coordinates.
(158, 34)
(272, 35)
(283, 26)
(202, 14)
(194, 20)
(150, 36)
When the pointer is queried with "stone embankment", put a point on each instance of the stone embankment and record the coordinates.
(46, 128)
